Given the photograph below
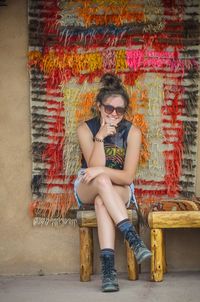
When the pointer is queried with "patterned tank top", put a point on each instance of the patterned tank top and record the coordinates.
(114, 145)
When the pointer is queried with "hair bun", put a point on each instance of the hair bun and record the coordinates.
(111, 81)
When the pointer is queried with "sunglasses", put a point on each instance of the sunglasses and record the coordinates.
(109, 109)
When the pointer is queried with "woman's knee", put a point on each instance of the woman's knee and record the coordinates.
(102, 181)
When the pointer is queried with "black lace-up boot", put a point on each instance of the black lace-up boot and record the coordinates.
(140, 250)
(109, 274)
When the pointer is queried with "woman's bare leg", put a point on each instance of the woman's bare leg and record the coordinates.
(106, 227)
(103, 187)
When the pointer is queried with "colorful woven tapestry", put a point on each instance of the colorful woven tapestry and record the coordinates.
(153, 46)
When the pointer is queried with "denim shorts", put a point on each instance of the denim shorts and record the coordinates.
(80, 204)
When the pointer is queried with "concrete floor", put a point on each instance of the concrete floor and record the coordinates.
(176, 287)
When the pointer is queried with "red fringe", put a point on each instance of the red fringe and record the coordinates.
(143, 192)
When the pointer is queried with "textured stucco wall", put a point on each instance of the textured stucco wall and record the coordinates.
(31, 250)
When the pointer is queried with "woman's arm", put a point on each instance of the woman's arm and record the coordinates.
(93, 151)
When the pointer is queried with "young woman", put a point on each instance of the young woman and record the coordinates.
(110, 147)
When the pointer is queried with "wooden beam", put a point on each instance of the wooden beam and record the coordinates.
(176, 219)
(87, 218)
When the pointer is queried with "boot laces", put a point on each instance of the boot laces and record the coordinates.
(107, 268)
(134, 240)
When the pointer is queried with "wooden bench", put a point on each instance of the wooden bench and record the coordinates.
(87, 221)
(158, 221)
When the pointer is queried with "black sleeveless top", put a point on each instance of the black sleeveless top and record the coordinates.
(114, 145)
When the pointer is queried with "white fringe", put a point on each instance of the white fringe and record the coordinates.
(54, 221)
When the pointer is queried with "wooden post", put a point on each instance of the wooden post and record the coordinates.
(157, 255)
(91, 250)
(85, 253)
(164, 253)
(131, 263)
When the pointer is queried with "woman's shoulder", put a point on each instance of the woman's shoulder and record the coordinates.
(135, 131)
(83, 131)
(92, 121)
(86, 122)
(91, 124)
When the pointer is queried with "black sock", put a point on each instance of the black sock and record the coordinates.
(107, 252)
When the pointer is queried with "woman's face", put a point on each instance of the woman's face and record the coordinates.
(112, 110)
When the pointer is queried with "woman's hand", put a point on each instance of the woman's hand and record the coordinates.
(90, 174)
(106, 129)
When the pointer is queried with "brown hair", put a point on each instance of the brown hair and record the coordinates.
(112, 86)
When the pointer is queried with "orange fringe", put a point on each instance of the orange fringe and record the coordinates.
(139, 121)
(53, 205)
(83, 111)
(113, 13)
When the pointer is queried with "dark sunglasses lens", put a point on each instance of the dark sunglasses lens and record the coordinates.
(109, 109)
(120, 110)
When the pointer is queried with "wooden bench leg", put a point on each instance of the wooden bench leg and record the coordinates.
(86, 251)
(164, 254)
(131, 263)
(157, 269)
